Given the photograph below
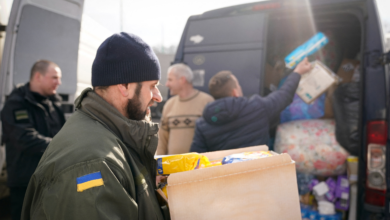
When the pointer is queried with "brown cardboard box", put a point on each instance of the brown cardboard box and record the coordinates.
(316, 82)
(346, 70)
(258, 189)
(328, 114)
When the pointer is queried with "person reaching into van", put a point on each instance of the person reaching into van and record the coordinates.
(31, 117)
(180, 112)
(233, 121)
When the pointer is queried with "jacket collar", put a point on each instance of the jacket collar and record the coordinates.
(56, 99)
(141, 136)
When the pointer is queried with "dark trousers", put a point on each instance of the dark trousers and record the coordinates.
(17, 197)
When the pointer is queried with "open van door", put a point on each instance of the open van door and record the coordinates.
(225, 42)
(384, 61)
(374, 163)
(41, 29)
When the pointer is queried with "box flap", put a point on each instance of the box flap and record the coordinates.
(229, 169)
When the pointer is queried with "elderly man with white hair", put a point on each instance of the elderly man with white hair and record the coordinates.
(180, 112)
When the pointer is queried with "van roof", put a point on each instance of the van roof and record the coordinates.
(270, 4)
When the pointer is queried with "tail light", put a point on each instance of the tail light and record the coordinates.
(376, 163)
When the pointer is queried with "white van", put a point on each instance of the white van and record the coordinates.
(55, 30)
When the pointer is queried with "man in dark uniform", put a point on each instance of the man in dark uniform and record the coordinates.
(31, 117)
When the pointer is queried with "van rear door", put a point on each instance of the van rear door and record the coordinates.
(374, 163)
(384, 20)
(234, 42)
(41, 29)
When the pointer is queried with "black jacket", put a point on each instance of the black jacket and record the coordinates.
(26, 133)
(233, 122)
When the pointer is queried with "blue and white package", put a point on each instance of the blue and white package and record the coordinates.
(241, 157)
(308, 48)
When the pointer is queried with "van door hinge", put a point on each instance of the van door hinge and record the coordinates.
(385, 58)
(375, 59)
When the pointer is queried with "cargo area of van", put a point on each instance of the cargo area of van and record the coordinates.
(287, 32)
(342, 55)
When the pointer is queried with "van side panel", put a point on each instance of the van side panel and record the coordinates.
(235, 43)
(43, 34)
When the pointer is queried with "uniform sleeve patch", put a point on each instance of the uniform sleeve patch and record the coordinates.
(21, 116)
(89, 181)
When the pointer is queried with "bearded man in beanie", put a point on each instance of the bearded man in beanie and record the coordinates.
(101, 164)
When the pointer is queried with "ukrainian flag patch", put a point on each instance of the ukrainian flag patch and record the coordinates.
(89, 181)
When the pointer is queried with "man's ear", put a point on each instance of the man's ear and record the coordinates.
(37, 76)
(235, 93)
(123, 89)
(183, 80)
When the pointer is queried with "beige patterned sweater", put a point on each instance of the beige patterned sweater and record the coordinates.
(177, 124)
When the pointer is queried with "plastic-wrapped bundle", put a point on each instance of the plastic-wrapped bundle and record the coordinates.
(299, 110)
(313, 146)
(346, 111)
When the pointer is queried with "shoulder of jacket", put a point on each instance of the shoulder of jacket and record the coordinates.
(84, 139)
(16, 100)
(17, 94)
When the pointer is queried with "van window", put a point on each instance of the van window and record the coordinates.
(384, 15)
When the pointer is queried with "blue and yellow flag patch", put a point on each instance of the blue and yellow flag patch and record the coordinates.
(89, 181)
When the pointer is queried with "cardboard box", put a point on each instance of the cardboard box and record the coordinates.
(316, 82)
(265, 188)
(328, 114)
(347, 69)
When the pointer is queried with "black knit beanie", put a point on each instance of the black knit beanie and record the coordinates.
(124, 58)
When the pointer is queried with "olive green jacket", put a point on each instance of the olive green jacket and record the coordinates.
(96, 138)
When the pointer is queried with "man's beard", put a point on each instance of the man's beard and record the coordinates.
(134, 106)
(134, 109)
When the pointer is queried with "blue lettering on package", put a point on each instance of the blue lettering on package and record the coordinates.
(159, 166)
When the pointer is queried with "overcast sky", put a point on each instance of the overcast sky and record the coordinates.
(155, 21)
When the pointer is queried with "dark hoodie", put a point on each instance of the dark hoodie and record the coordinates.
(236, 122)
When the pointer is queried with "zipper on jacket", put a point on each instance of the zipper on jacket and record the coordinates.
(153, 167)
